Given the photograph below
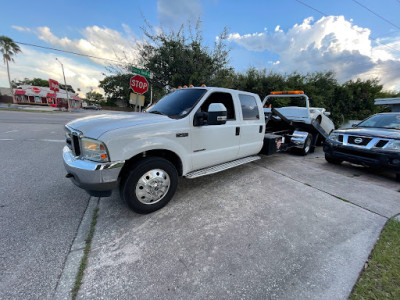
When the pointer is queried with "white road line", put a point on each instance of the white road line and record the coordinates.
(10, 131)
(46, 140)
(53, 141)
(6, 139)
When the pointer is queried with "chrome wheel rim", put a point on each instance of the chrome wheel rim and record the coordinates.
(152, 186)
(307, 146)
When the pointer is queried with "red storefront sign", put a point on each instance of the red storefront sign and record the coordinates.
(53, 85)
(35, 89)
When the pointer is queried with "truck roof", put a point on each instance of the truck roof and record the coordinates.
(210, 88)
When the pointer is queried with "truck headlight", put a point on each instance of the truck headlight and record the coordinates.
(334, 136)
(94, 150)
(393, 145)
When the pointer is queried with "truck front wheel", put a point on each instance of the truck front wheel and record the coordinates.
(149, 185)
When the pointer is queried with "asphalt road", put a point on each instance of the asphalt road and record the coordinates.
(40, 210)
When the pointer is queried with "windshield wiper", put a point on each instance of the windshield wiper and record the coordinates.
(158, 113)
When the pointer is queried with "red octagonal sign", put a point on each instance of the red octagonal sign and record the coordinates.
(139, 84)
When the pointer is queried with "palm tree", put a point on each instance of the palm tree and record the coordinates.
(8, 48)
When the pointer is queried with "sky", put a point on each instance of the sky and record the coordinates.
(353, 38)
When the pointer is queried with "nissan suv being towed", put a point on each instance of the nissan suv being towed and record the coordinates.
(373, 142)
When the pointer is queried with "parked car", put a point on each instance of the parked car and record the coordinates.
(299, 109)
(92, 106)
(373, 142)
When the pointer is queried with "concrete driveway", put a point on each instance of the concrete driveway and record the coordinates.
(284, 227)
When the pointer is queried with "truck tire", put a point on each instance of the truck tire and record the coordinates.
(332, 160)
(149, 185)
(307, 145)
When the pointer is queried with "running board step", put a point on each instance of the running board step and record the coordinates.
(221, 167)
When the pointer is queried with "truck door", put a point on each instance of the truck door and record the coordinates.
(215, 144)
(253, 126)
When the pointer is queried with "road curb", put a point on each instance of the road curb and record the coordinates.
(72, 263)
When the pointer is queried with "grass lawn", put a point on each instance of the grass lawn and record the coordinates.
(381, 278)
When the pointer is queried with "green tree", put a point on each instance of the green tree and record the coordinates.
(181, 58)
(94, 96)
(8, 48)
(116, 87)
(33, 82)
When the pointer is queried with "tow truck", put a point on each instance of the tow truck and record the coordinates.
(191, 132)
(294, 127)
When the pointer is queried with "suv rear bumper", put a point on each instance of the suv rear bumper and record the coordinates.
(98, 179)
(369, 157)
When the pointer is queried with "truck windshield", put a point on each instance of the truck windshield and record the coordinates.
(390, 121)
(177, 104)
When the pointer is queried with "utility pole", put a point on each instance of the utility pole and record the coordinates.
(65, 84)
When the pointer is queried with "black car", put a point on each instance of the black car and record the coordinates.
(92, 106)
(374, 142)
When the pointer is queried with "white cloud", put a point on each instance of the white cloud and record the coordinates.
(331, 43)
(31, 63)
(173, 13)
(96, 41)
(21, 29)
(99, 42)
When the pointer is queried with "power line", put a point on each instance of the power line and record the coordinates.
(65, 51)
(305, 4)
(379, 16)
(324, 14)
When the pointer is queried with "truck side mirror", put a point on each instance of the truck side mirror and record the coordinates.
(327, 113)
(217, 114)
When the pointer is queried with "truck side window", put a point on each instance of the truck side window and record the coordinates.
(225, 99)
(249, 107)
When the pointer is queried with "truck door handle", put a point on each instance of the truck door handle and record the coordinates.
(237, 130)
(261, 128)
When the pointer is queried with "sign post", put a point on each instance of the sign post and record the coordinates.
(139, 84)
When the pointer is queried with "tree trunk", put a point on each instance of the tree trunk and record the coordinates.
(9, 81)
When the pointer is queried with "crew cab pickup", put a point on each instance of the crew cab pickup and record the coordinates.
(190, 132)
(373, 142)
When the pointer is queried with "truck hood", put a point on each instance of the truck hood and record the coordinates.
(374, 132)
(95, 126)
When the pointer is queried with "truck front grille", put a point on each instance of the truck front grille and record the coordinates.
(73, 140)
(75, 145)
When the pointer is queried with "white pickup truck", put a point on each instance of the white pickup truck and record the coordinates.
(190, 132)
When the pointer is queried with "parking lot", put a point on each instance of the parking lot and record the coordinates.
(283, 227)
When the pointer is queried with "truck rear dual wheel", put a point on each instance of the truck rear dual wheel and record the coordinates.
(149, 185)
(307, 145)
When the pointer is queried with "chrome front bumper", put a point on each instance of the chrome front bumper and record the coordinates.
(98, 179)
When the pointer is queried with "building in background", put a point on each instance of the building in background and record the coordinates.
(393, 103)
(39, 95)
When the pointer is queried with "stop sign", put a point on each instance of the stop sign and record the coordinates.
(139, 84)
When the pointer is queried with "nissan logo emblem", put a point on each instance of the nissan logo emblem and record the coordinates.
(358, 140)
